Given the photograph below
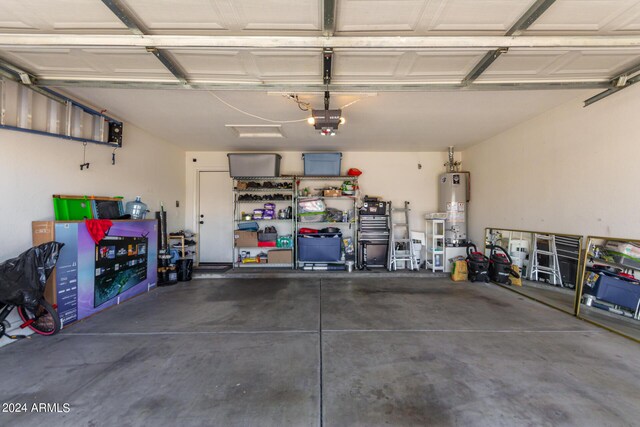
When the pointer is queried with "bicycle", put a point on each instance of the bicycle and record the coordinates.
(43, 320)
(22, 283)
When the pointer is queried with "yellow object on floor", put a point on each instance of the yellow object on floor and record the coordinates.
(459, 272)
(514, 281)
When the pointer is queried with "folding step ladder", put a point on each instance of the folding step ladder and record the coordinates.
(553, 269)
(396, 254)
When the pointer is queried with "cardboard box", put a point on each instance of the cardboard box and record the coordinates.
(332, 193)
(246, 239)
(44, 232)
(279, 256)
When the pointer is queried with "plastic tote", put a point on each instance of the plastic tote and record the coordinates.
(322, 164)
(254, 164)
(321, 247)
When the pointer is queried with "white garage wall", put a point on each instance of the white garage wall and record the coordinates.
(392, 176)
(34, 167)
(570, 170)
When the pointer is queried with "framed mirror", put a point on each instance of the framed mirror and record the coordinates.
(549, 264)
(609, 287)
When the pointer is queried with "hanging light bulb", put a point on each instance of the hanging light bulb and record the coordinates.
(342, 120)
(311, 121)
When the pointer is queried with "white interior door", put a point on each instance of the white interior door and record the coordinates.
(216, 217)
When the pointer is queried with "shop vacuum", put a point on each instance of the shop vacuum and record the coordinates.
(477, 265)
(500, 266)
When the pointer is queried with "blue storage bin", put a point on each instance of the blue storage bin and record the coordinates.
(320, 247)
(322, 164)
(617, 290)
(248, 226)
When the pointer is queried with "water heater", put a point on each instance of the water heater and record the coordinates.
(453, 195)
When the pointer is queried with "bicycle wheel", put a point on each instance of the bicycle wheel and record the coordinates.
(44, 320)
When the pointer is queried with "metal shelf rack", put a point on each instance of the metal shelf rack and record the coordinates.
(347, 202)
(284, 226)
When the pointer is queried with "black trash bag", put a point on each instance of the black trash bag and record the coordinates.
(23, 278)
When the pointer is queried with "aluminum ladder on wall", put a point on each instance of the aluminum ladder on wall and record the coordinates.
(553, 269)
(396, 254)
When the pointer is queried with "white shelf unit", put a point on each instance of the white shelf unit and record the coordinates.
(348, 202)
(183, 247)
(435, 256)
(283, 226)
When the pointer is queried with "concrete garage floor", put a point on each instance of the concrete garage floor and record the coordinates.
(333, 352)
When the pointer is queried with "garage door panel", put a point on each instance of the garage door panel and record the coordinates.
(628, 21)
(588, 16)
(473, 15)
(365, 63)
(128, 61)
(448, 63)
(47, 61)
(523, 64)
(379, 15)
(422, 65)
(605, 63)
(58, 16)
(203, 63)
(288, 63)
(165, 16)
(80, 63)
(423, 16)
(561, 65)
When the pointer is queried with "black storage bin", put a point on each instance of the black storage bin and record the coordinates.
(185, 269)
(267, 237)
(320, 247)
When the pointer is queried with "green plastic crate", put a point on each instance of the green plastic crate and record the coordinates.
(72, 209)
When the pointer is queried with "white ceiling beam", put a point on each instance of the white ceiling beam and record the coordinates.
(313, 42)
(333, 87)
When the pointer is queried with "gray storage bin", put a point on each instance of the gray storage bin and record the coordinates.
(254, 164)
(267, 237)
(322, 164)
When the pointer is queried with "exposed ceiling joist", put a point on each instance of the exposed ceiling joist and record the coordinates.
(125, 16)
(328, 17)
(484, 63)
(533, 13)
(169, 64)
(313, 42)
(530, 16)
(319, 87)
(136, 28)
(618, 83)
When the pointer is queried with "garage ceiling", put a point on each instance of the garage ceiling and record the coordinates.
(277, 46)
